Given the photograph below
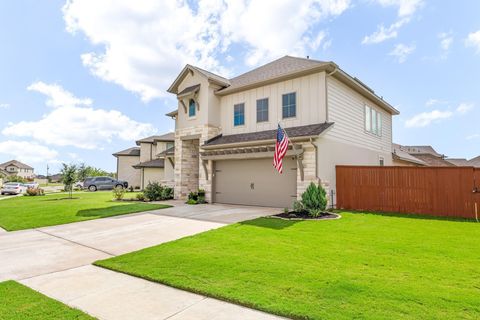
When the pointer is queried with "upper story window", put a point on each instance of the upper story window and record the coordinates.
(289, 105)
(170, 145)
(373, 121)
(239, 114)
(262, 110)
(192, 108)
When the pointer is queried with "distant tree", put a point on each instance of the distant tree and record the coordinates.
(85, 171)
(69, 177)
(15, 179)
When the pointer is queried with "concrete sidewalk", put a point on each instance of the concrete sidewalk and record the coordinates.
(110, 295)
(56, 261)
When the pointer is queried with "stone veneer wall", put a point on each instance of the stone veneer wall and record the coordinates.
(189, 170)
(309, 171)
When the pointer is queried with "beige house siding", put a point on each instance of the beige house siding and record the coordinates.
(152, 175)
(126, 172)
(146, 152)
(310, 93)
(23, 173)
(346, 108)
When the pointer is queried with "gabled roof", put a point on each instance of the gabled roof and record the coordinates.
(156, 163)
(276, 69)
(475, 162)
(433, 161)
(400, 154)
(189, 68)
(459, 162)
(168, 137)
(421, 150)
(134, 151)
(189, 90)
(168, 152)
(268, 136)
(15, 163)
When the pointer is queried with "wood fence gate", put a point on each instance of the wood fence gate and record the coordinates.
(435, 191)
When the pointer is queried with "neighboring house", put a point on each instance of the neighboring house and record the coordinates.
(428, 155)
(225, 130)
(17, 168)
(402, 158)
(149, 162)
(475, 162)
(55, 177)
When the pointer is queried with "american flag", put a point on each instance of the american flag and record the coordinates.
(280, 149)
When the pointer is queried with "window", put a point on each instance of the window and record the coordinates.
(239, 114)
(262, 110)
(289, 105)
(192, 108)
(170, 145)
(373, 121)
(382, 161)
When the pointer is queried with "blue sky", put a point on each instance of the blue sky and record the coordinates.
(80, 80)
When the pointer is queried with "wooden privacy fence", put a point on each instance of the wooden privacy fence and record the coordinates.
(436, 191)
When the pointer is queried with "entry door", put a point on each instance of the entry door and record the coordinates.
(255, 182)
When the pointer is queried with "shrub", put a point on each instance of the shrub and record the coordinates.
(130, 189)
(15, 179)
(153, 191)
(140, 196)
(193, 196)
(298, 206)
(118, 193)
(314, 199)
(167, 193)
(35, 192)
(191, 201)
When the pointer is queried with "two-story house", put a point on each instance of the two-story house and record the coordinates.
(225, 130)
(150, 161)
(17, 168)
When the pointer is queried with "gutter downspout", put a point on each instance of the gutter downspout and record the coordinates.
(316, 158)
(326, 91)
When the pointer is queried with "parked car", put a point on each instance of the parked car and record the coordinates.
(79, 184)
(13, 188)
(33, 185)
(103, 183)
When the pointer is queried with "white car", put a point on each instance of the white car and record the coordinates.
(33, 185)
(13, 188)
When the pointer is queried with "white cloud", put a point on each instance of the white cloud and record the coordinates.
(402, 51)
(406, 9)
(473, 40)
(426, 118)
(473, 136)
(446, 40)
(143, 44)
(82, 127)
(432, 102)
(463, 108)
(383, 33)
(57, 96)
(29, 152)
(4, 106)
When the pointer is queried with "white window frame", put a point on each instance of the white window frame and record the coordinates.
(373, 121)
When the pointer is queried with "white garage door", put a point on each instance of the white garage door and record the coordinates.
(255, 182)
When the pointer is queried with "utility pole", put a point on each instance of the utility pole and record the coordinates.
(47, 174)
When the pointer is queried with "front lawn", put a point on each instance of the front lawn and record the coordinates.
(32, 212)
(20, 302)
(363, 266)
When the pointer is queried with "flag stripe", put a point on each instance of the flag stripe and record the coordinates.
(281, 147)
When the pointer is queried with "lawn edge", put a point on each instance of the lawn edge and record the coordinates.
(203, 293)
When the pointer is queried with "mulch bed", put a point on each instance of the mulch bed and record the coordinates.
(305, 216)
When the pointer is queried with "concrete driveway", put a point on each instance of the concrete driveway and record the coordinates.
(56, 261)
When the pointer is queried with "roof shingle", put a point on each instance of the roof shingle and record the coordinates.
(134, 151)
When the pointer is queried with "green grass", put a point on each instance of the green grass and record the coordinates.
(32, 212)
(363, 266)
(18, 302)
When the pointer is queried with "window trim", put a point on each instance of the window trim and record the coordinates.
(268, 110)
(235, 105)
(368, 115)
(285, 94)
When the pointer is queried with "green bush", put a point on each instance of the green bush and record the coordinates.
(298, 206)
(140, 196)
(314, 199)
(191, 201)
(167, 193)
(193, 196)
(118, 193)
(153, 191)
(15, 179)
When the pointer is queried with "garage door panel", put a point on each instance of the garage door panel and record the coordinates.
(255, 182)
